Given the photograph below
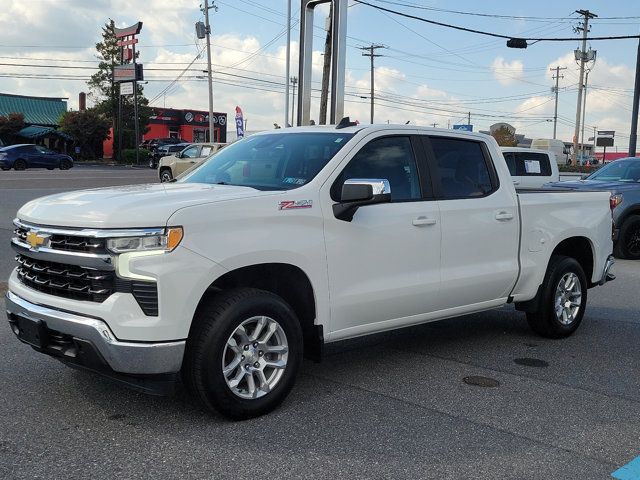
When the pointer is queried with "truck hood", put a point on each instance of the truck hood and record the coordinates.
(595, 185)
(127, 206)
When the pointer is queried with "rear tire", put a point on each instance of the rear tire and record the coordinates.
(165, 175)
(563, 299)
(19, 164)
(628, 244)
(242, 373)
(65, 165)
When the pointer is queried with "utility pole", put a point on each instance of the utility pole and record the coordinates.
(293, 80)
(326, 69)
(209, 73)
(469, 118)
(434, 125)
(557, 78)
(287, 68)
(583, 57)
(372, 48)
(584, 110)
(634, 116)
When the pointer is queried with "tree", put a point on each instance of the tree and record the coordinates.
(89, 129)
(10, 126)
(504, 137)
(105, 92)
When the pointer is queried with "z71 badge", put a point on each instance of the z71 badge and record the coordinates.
(295, 204)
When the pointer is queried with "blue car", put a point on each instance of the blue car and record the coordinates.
(21, 157)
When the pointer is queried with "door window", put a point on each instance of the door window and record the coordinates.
(462, 167)
(206, 151)
(389, 158)
(532, 164)
(191, 152)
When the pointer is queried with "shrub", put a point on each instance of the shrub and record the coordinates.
(128, 156)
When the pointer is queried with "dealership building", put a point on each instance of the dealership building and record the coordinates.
(187, 125)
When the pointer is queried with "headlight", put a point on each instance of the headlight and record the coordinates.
(3, 155)
(166, 241)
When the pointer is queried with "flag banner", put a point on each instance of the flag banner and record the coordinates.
(239, 123)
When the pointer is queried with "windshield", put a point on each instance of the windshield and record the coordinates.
(277, 161)
(618, 171)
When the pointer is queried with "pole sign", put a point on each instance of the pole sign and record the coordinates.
(607, 133)
(126, 88)
(465, 128)
(239, 122)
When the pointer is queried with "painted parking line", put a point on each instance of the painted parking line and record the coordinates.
(630, 471)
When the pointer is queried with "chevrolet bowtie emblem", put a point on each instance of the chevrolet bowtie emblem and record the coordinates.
(36, 240)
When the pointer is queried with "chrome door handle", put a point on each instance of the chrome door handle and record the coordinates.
(516, 182)
(420, 221)
(503, 216)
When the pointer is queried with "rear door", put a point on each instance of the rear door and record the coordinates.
(532, 169)
(480, 232)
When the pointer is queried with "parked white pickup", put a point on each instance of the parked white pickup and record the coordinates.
(531, 168)
(289, 239)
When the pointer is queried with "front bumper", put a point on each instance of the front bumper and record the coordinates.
(89, 342)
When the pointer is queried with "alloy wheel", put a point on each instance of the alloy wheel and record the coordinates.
(255, 357)
(568, 299)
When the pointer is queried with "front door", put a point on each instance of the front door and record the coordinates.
(480, 227)
(384, 265)
(187, 159)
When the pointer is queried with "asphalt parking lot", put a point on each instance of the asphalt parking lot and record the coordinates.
(387, 406)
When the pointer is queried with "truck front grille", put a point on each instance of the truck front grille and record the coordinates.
(69, 281)
(68, 243)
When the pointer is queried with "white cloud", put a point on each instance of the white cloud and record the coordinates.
(507, 72)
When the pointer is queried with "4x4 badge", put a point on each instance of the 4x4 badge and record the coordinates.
(295, 204)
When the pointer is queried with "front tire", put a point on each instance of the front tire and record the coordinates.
(628, 244)
(563, 299)
(165, 175)
(243, 352)
(65, 164)
(20, 164)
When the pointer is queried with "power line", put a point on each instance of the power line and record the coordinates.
(490, 34)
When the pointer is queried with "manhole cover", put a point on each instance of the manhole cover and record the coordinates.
(478, 381)
(531, 362)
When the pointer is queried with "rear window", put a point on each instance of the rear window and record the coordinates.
(527, 164)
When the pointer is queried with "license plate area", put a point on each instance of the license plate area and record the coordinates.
(33, 332)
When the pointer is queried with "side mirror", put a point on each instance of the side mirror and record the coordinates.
(584, 177)
(358, 192)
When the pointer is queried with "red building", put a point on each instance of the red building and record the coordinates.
(187, 125)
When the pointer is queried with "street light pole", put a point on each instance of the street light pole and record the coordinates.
(209, 73)
(584, 110)
(287, 68)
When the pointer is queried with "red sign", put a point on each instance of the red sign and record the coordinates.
(128, 31)
(131, 41)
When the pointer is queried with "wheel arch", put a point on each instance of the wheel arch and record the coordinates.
(577, 247)
(581, 249)
(287, 281)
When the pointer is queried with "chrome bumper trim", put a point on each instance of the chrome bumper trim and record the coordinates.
(122, 357)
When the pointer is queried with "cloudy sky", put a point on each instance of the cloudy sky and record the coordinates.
(427, 74)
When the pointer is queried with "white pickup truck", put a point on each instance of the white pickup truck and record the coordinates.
(290, 239)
